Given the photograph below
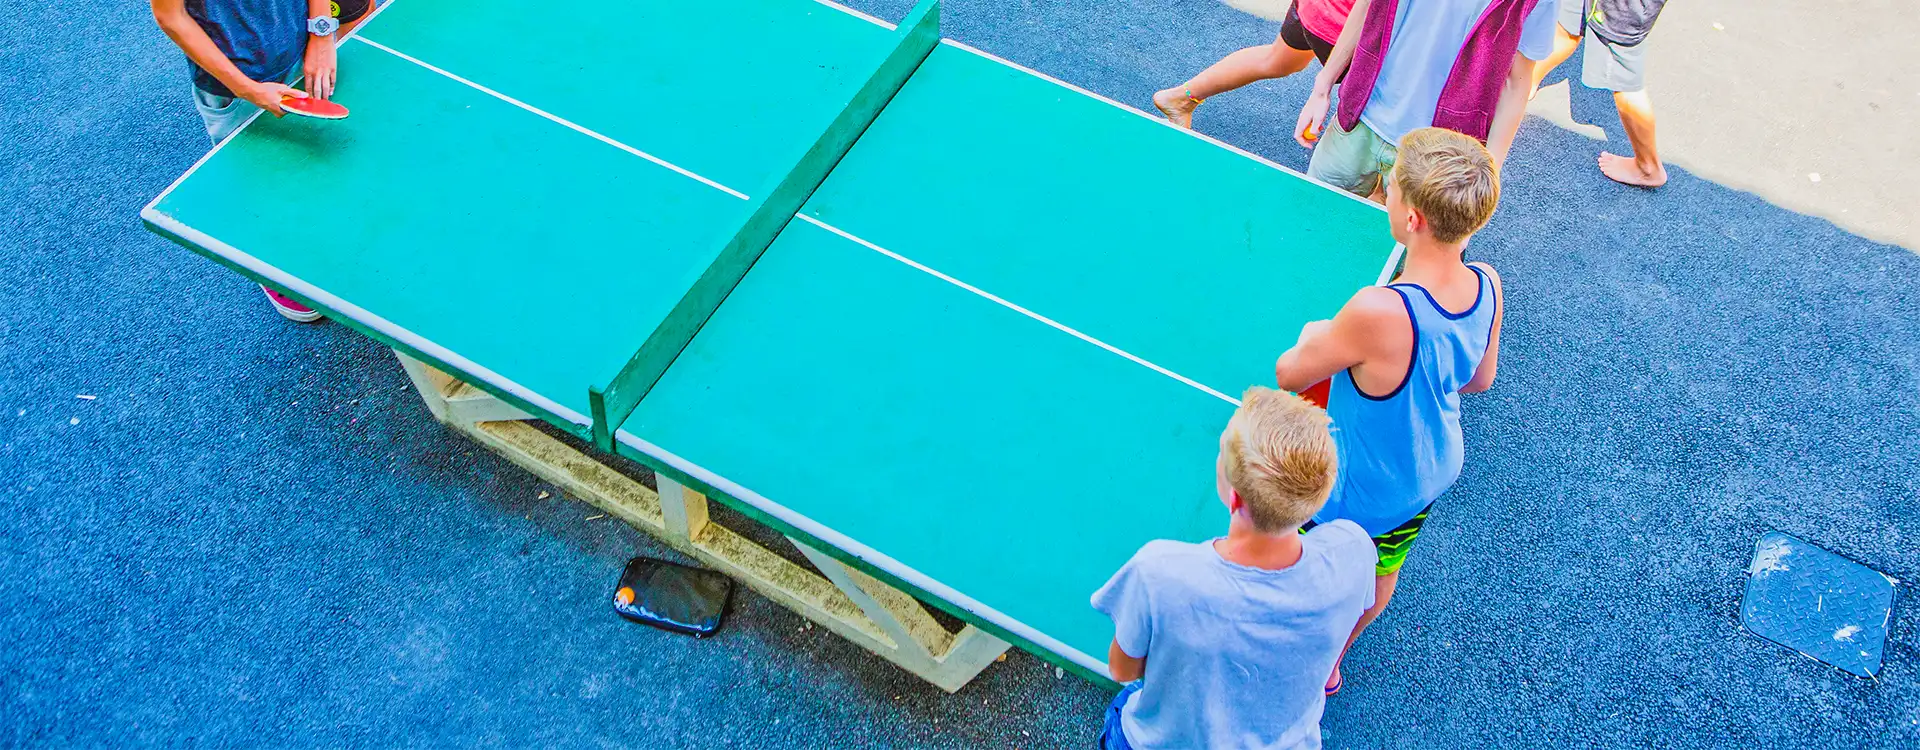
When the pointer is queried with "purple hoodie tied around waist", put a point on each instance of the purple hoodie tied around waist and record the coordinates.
(1473, 86)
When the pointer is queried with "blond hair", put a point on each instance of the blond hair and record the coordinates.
(1450, 179)
(1280, 458)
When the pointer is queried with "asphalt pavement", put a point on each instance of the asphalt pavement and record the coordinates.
(254, 534)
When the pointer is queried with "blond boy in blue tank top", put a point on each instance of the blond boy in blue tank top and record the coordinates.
(1399, 356)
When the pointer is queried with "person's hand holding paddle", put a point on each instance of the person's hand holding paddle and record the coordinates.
(268, 96)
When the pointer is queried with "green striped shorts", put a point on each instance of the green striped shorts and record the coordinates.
(1393, 545)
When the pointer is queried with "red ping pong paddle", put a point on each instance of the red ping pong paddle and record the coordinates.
(1317, 393)
(310, 107)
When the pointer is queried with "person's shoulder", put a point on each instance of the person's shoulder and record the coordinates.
(1487, 268)
(1165, 557)
(1345, 540)
(1375, 306)
(1374, 299)
(1162, 551)
(1339, 532)
(1373, 318)
(1493, 277)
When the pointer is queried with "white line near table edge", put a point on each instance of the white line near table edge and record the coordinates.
(556, 119)
(996, 299)
(1158, 120)
(1084, 92)
(857, 14)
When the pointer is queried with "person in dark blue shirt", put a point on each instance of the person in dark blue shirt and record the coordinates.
(243, 53)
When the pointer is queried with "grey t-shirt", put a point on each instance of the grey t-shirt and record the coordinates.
(1236, 656)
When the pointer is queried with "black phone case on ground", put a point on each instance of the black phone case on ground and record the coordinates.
(671, 596)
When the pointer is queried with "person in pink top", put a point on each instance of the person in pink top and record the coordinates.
(1309, 32)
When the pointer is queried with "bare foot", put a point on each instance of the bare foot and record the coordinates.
(1624, 170)
(1177, 105)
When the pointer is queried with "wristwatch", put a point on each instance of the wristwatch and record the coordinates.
(322, 25)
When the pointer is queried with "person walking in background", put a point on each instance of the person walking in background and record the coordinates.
(1308, 33)
(1615, 61)
(1402, 65)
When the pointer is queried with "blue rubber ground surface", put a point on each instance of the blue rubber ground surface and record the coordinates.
(257, 536)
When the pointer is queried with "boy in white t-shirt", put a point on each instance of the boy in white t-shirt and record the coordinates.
(1228, 643)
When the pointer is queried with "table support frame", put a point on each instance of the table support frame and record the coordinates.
(852, 604)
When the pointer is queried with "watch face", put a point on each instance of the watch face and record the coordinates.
(322, 25)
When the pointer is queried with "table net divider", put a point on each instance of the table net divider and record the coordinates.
(768, 214)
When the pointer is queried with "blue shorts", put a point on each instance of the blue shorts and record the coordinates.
(1111, 738)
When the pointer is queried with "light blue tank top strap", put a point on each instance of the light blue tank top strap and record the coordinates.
(1400, 450)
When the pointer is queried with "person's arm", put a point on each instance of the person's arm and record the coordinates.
(193, 40)
(1124, 668)
(1490, 364)
(1314, 113)
(1329, 346)
(1511, 109)
(321, 67)
(1125, 598)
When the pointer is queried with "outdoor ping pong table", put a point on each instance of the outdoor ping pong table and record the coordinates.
(980, 328)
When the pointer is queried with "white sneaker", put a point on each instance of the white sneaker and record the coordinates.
(290, 309)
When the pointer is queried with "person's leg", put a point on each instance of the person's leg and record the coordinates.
(1288, 54)
(1393, 547)
(1623, 71)
(1566, 39)
(1386, 161)
(1276, 60)
(1563, 46)
(1385, 155)
(1643, 168)
(221, 115)
(1383, 586)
